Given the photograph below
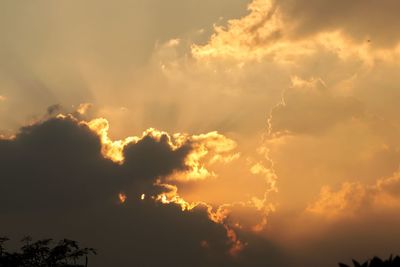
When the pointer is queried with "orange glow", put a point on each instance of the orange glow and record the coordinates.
(237, 245)
(83, 108)
(122, 198)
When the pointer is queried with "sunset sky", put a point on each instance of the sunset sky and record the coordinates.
(213, 133)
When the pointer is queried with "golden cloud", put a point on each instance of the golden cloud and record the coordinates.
(269, 32)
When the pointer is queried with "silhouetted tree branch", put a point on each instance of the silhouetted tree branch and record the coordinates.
(376, 262)
(66, 253)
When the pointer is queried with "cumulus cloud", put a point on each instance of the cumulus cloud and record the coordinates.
(285, 30)
(331, 135)
(334, 121)
(55, 171)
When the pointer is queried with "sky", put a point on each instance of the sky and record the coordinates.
(202, 133)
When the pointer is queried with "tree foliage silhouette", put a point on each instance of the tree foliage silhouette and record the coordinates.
(376, 262)
(41, 253)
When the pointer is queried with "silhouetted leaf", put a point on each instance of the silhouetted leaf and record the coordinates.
(376, 262)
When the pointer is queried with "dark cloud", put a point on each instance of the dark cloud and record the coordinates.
(55, 183)
(151, 158)
(53, 109)
(54, 164)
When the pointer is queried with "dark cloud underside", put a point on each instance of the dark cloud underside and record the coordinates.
(56, 183)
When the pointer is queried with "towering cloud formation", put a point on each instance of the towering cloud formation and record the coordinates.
(332, 134)
(56, 182)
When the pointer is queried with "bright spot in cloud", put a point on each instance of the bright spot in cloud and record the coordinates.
(122, 198)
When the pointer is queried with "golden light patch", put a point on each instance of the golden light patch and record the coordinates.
(238, 40)
(206, 149)
(110, 149)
